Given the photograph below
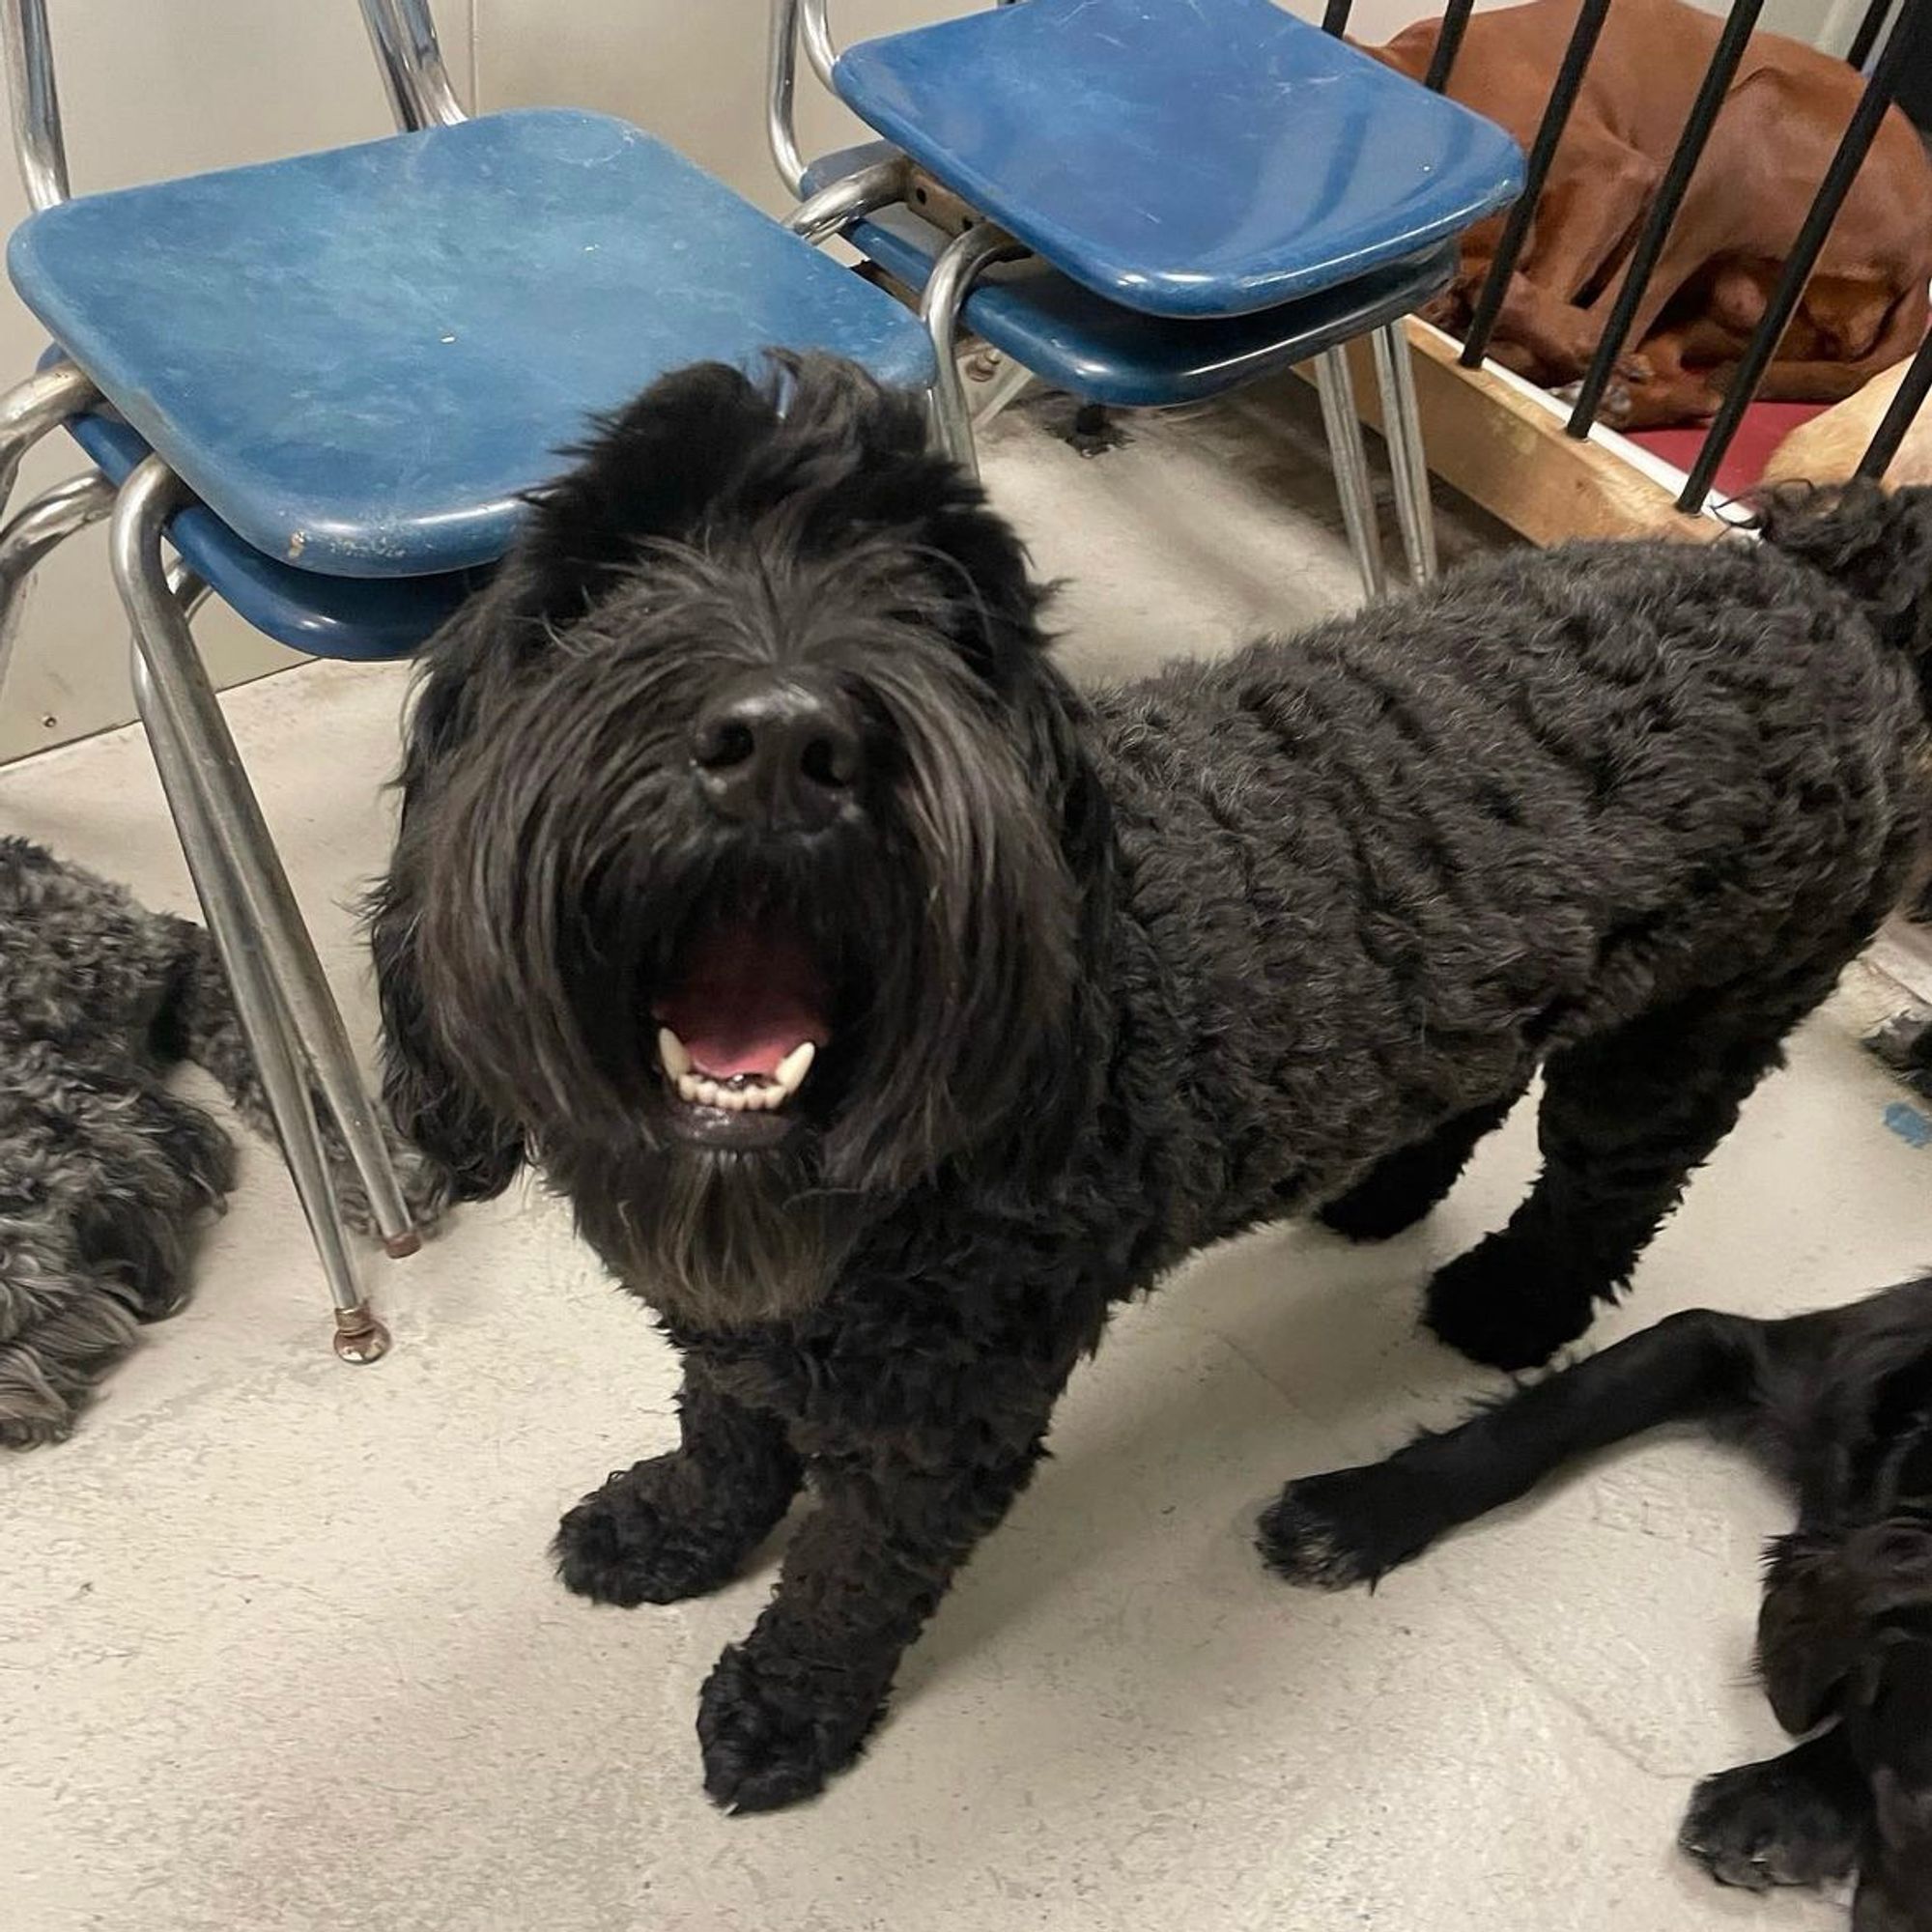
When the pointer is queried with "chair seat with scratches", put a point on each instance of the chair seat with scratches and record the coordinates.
(325, 383)
(1201, 191)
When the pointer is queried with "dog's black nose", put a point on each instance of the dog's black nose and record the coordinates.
(787, 753)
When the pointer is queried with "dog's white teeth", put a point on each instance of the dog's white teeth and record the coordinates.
(792, 1069)
(746, 1099)
(742, 1095)
(674, 1055)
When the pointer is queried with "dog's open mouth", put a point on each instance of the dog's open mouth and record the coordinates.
(738, 1032)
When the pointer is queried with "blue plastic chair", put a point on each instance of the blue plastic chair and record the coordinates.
(1201, 191)
(327, 383)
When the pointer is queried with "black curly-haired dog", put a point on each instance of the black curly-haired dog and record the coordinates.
(889, 1012)
(103, 1171)
(1838, 1403)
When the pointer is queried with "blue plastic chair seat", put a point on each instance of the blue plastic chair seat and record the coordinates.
(1074, 340)
(1183, 157)
(359, 359)
(365, 618)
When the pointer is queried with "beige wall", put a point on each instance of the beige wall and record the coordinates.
(689, 72)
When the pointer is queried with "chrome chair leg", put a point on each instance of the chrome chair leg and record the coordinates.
(47, 522)
(960, 264)
(841, 202)
(1408, 463)
(194, 716)
(29, 410)
(1350, 457)
(359, 1336)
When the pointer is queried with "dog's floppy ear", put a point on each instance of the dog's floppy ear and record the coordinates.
(1808, 1628)
(432, 1105)
(1896, 1866)
(1904, 1814)
(1892, 1738)
(651, 471)
(429, 1102)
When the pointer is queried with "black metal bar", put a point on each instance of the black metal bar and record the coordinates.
(1335, 16)
(1869, 29)
(1670, 191)
(1448, 44)
(1860, 133)
(1542, 151)
(1898, 418)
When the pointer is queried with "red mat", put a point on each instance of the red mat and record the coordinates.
(1765, 426)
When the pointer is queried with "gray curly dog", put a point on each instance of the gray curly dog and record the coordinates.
(103, 1171)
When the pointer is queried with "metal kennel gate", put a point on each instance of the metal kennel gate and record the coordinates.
(1900, 30)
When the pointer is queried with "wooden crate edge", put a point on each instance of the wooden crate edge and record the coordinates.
(1503, 451)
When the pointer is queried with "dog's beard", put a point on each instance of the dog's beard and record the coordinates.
(715, 1238)
(581, 901)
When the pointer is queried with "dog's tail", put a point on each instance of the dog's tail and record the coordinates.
(1875, 544)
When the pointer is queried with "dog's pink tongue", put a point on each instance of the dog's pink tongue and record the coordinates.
(748, 999)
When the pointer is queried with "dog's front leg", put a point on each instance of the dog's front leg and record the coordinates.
(681, 1523)
(792, 1704)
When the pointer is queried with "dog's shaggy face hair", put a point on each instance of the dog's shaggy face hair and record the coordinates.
(593, 922)
(889, 1015)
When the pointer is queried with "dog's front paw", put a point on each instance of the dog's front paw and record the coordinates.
(661, 1531)
(1505, 1309)
(1764, 1824)
(772, 1733)
(1353, 1526)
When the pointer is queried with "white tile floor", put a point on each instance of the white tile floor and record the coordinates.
(279, 1649)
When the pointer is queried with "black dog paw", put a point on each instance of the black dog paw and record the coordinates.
(1504, 1310)
(659, 1532)
(1765, 1825)
(771, 1735)
(1354, 1526)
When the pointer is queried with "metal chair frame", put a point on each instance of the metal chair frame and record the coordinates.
(293, 1025)
(796, 24)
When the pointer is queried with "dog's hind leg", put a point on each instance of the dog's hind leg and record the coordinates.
(1626, 1118)
(1404, 1186)
(680, 1525)
(1355, 1525)
(1793, 1820)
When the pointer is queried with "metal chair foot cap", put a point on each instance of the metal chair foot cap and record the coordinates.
(359, 1337)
